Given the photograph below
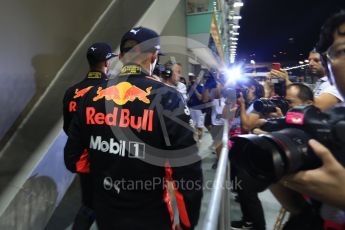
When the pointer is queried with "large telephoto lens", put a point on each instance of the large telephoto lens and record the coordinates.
(264, 106)
(264, 159)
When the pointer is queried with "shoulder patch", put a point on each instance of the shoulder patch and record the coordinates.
(81, 92)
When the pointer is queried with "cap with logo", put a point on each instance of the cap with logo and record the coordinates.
(147, 38)
(99, 52)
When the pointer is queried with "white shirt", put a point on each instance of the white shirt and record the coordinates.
(323, 86)
(182, 89)
(217, 111)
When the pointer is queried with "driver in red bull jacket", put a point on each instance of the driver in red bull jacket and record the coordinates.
(98, 56)
(140, 136)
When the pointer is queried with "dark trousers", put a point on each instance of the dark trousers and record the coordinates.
(250, 204)
(85, 216)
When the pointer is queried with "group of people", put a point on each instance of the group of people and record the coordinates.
(128, 137)
(314, 198)
(132, 135)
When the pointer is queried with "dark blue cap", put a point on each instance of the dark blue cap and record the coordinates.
(99, 52)
(147, 38)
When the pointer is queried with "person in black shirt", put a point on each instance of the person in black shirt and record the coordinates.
(98, 56)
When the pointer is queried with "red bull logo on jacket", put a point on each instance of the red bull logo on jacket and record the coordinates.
(121, 118)
(122, 93)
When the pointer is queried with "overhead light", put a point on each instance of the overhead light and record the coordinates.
(234, 33)
(236, 26)
(238, 4)
(236, 17)
(300, 62)
(252, 62)
(233, 43)
(233, 46)
(306, 61)
(234, 39)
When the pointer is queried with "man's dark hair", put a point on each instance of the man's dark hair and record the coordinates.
(95, 65)
(304, 92)
(259, 89)
(327, 30)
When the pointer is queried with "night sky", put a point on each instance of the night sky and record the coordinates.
(285, 28)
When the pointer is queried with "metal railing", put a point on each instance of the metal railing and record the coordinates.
(218, 213)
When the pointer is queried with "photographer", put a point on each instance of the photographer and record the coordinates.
(326, 183)
(213, 103)
(251, 207)
(302, 214)
(296, 94)
(249, 117)
(326, 95)
(194, 102)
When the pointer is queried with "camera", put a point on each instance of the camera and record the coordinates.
(266, 106)
(264, 159)
(279, 84)
(159, 68)
(244, 92)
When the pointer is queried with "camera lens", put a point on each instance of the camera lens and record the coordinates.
(264, 106)
(264, 159)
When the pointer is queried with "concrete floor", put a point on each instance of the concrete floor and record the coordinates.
(64, 214)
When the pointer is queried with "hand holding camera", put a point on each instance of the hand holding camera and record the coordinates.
(265, 159)
(323, 181)
(279, 75)
(240, 99)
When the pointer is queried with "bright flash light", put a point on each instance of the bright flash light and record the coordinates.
(233, 74)
(238, 4)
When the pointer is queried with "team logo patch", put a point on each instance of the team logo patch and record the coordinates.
(81, 92)
(122, 93)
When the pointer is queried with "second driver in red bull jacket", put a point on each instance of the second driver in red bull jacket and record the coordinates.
(98, 56)
(140, 136)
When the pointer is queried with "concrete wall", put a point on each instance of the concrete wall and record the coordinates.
(37, 37)
(176, 26)
(37, 141)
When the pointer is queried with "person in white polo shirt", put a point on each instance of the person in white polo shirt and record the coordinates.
(326, 95)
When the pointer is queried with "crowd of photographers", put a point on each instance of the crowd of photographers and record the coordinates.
(296, 145)
(285, 136)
